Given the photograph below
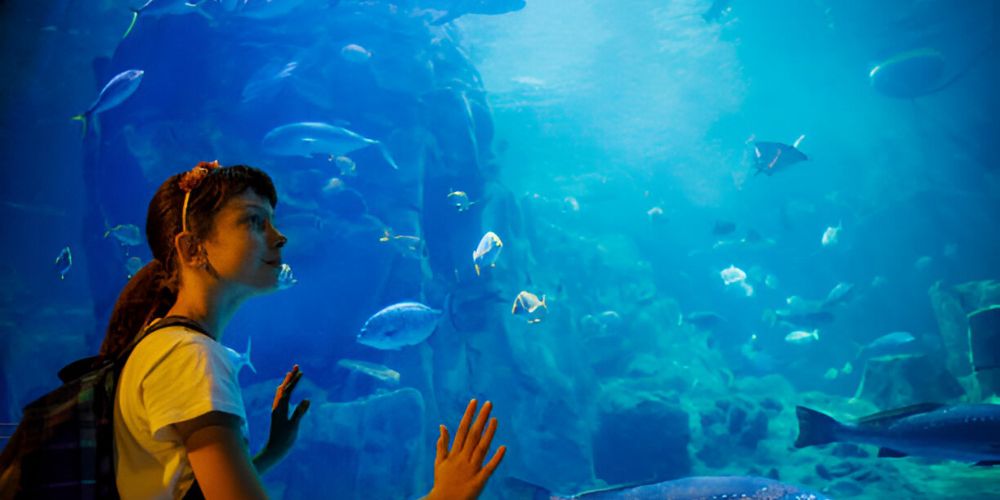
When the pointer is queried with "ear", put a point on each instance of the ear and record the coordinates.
(190, 252)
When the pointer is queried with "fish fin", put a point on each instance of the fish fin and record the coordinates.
(82, 118)
(890, 453)
(986, 463)
(881, 418)
(815, 428)
(135, 17)
(246, 356)
(387, 156)
(477, 269)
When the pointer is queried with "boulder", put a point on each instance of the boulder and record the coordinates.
(641, 439)
(894, 382)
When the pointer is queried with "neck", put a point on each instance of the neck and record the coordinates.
(209, 305)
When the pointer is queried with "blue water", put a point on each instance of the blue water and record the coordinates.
(602, 141)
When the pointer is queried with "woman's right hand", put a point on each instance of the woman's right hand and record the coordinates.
(459, 473)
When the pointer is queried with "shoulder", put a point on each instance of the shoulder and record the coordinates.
(176, 345)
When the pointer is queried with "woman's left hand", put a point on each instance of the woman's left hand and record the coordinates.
(285, 429)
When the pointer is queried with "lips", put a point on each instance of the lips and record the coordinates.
(274, 262)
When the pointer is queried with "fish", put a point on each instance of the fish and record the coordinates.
(241, 360)
(162, 8)
(312, 139)
(717, 10)
(771, 281)
(909, 74)
(528, 304)
(965, 432)
(702, 319)
(771, 157)
(408, 246)
(487, 252)
(839, 294)
(831, 235)
(688, 488)
(64, 261)
(119, 88)
(286, 279)
(602, 322)
(133, 265)
(802, 305)
(654, 214)
(354, 53)
(268, 80)
(723, 227)
(805, 319)
(126, 234)
(802, 337)
(399, 325)
(570, 204)
(458, 8)
(460, 200)
(732, 274)
(346, 166)
(376, 371)
(891, 344)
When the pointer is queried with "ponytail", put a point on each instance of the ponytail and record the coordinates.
(149, 294)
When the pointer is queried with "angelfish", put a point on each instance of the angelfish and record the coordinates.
(115, 92)
(487, 251)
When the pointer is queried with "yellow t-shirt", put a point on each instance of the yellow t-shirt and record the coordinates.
(174, 374)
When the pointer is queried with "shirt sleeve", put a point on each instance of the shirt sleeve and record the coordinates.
(195, 378)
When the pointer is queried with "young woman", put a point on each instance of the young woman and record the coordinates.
(180, 424)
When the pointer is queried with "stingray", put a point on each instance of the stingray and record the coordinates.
(770, 157)
(917, 73)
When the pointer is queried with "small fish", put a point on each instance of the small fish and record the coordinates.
(771, 281)
(312, 139)
(487, 252)
(399, 325)
(654, 214)
(831, 235)
(570, 204)
(891, 344)
(732, 274)
(334, 185)
(354, 53)
(126, 234)
(604, 322)
(831, 374)
(802, 337)
(64, 262)
(847, 369)
(346, 166)
(241, 360)
(408, 246)
(286, 279)
(528, 304)
(379, 372)
(967, 432)
(115, 92)
(723, 227)
(839, 294)
(133, 265)
(702, 319)
(460, 200)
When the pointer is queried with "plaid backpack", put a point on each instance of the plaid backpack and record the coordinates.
(64, 446)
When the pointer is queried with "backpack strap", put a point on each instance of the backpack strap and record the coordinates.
(159, 325)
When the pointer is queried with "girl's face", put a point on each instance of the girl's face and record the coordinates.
(244, 247)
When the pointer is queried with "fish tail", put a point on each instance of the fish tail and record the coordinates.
(477, 269)
(82, 118)
(815, 428)
(387, 156)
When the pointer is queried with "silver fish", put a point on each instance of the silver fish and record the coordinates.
(286, 279)
(126, 234)
(399, 325)
(380, 372)
(529, 305)
(115, 92)
(487, 251)
(311, 139)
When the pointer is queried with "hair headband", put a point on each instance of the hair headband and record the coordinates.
(191, 180)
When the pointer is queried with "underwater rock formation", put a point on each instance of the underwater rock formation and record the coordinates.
(952, 305)
(895, 382)
(652, 432)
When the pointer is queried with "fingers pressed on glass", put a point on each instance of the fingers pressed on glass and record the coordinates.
(477, 429)
(463, 427)
(484, 443)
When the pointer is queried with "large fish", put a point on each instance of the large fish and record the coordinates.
(399, 325)
(311, 139)
(770, 157)
(968, 432)
(689, 488)
(115, 92)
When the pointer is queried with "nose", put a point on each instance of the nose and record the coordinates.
(281, 239)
